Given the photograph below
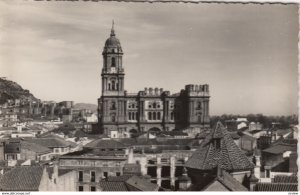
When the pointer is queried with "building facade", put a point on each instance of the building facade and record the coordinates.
(152, 109)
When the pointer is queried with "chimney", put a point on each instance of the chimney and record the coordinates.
(253, 181)
(156, 91)
(130, 156)
(219, 171)
(55, 170)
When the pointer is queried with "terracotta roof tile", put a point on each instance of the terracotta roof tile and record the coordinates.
(140, 184)
(285, 179)
(121, 178)
(35, 147)
(105, 143)
(111, 186)
(279, 149)
(50, 142)
(276, 187)
(22, 179)
(127, 183)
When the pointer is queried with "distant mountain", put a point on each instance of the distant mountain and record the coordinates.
(12, 90)
(92, 107)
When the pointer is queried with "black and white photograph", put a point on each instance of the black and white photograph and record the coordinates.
(119, 96)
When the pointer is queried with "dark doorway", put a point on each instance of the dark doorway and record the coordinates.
(165, 171)
(166, 184)
(152, 171)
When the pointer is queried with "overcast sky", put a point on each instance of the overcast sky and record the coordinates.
(246, 53)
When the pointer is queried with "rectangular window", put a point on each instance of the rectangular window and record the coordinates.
(118, 173)
(105, 174)
(172, 115)
(93, 176)
(80, 176)
(80, 188)
(93, 188)
(267, 173)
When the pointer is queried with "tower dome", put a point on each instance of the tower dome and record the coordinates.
(112, 44)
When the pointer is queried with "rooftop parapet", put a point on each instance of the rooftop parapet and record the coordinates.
(197, 90)
(152, 91)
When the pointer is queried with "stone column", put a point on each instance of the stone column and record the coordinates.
(172, 170)
(141, 110)
(158, 173)
(257, 167)
(143, 163)
(190, 115)
(158, 170)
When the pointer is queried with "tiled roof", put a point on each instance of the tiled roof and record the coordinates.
(111, 186)
(127, 183)
(287, 187)
(231, 183)
(255, 131)
(105, 143)
(229, 156)
(283, 131)
(175, 133)
(227, 181)
(50, 142)
(279, 149)
(218, 131)
(285, 179)
(234, 135)
(140, 184)
(202, 135)
(121, 178)
(157, 141)
(35, 147)
(22, 179)
(88, 153)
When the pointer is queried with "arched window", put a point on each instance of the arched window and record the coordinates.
(109, 86)
(113, 105)
(199, 117)
(154, 115)
(113, 62)
(133, 116)
(113, 118)
(149, 115)
(172, 115)
(154, 105)
(136, 116)
(129, 115)
(158, 116)
(199, 105)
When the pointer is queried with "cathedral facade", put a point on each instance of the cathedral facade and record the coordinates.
(150, 110)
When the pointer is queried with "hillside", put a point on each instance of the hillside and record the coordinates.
(92, 107)
(12, 90)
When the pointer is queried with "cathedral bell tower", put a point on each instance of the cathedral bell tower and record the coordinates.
(111, 104)
(112, 71)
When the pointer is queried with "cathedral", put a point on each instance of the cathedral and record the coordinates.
(153, 110)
